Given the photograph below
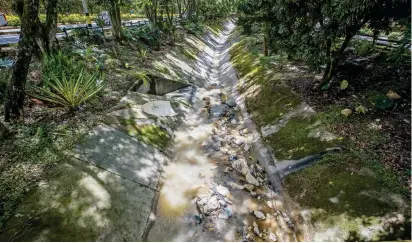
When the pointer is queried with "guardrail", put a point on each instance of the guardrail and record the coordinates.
(13, 34)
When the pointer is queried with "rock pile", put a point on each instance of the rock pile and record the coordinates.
(230, 145)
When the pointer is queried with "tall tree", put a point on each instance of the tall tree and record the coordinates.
(116, 20)
(28, 11)
(46, 36)
(319, 31)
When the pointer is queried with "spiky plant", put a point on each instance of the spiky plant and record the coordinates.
(68, 92)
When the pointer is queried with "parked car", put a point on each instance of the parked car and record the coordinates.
(3, 19)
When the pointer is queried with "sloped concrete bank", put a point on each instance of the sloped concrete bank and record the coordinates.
(342, 196)
(107, 191)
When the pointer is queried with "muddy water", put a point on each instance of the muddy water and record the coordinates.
(194, 171)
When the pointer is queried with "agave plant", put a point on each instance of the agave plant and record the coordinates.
(6, 63)
(69, 92)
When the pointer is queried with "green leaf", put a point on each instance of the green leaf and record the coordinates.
(325, 86)
(344, 84)
(380, 101)
(361, 109)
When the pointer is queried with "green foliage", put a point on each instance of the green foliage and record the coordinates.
(379, 100)
(344, 84)
(14, 20)
(318, 31)
(152, 37)
(6, 63)
(361, 109)
(194, 27)
(362, 47)
(143, 54)
(5, 75)
(59, 64)
(143, 76)
(69, 92)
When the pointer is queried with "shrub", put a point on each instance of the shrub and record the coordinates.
(13, 20)
(5, 75)
(57, 65)
(362, 47)
(68, 92)
(143, 53)
(195, 28)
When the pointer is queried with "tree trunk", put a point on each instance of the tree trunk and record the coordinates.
(51, 25)
(4, 131)
(375, 37)
(169, 15)
(46, 36)
(265, 46)
(16, 88)
(190, 9)
(265, 39)
(179, 8)
(116, 20)
(151, 13)
(333, 61)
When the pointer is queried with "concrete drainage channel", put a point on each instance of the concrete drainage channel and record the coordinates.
(213, 189)
(208, 187)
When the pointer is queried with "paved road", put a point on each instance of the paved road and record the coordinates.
(11, 36)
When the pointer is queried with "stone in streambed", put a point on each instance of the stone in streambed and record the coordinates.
(259, 215)
(223, 191)
(236, 186)
(251, 179)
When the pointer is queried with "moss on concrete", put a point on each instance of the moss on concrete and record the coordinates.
(338, 176)
(293, 141)
(150, 134)
(271, 98)
(344, 187)
(270, 103)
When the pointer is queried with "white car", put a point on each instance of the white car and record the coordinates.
(3, 19)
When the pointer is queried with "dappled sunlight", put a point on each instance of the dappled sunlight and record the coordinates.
(134, 160)
(344, 227)
(80, 203)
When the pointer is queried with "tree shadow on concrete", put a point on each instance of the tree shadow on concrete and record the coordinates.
(81, 203)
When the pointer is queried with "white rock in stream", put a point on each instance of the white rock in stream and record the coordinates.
(246, 147)
(236, 186)
(259, 215)
(211, 206)
(240, 166)
(223, 190)
(249, 187)
(255, 228)
(251, 180)
(272, 237)
(238, 141)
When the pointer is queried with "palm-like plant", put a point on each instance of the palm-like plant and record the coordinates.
(143, 54)
(141, 76)
(68, 92)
